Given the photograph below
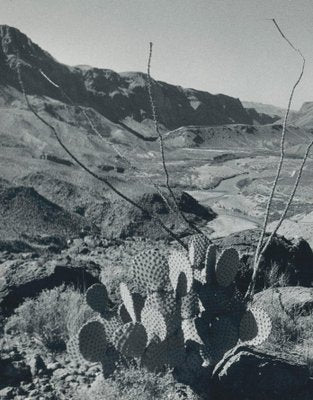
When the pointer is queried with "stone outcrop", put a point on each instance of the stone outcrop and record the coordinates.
(21, 279)
(285, 260)
(123, 220)
(246, 373)
(290, 299)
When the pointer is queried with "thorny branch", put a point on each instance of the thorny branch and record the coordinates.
(161, 142)
(89, 171)
(291, 197)
(260, 251)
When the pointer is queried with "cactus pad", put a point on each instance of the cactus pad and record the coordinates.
(72, 348)
(194, 361)
(209, 264)
(197, 249)
(123, 314)
(154, 356)
(180, 272)
(130, 339)
(128, 301)
(189, 305)
(167, 352)
(207, 356)
(111, 325)
(255, 326)
(92, 341)
(190, 331)
(164, 302)
(222, 336)
(199, 276)
(187, 315)
(97, 298)
(150, 270)
(175, 351)
(216, 300)
(185, 374)
(227, 267)
(139, 302)
(154, 323)
(110, 361)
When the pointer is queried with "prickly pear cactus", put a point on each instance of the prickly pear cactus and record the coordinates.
(188, 314)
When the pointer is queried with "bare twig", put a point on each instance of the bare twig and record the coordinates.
(161, 142)
(114, 147)
(89, 171)
(259, 250)
(291, 197)
(270, 238)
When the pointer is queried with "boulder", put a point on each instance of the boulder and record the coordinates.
(290, 299)
(13, 371)
(7, 393)
(20, 279)
(285, 262)
(124, 220)
(248, 374)
(37, 365)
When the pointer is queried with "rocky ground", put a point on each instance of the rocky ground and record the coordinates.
(40, 290)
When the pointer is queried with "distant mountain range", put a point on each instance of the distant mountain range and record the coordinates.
(123, 97)
(267, 109)
(302, 118)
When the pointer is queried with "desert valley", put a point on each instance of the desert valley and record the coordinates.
(62, 230)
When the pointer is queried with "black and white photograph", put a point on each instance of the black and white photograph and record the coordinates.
(156, 200)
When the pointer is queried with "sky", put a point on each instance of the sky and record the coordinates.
(220, 46)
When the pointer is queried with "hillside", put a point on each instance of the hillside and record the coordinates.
(118, 97)
(239, 138)
(24, 213)
(304, 117)
(262, 108)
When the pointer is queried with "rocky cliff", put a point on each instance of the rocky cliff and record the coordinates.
(119, 97)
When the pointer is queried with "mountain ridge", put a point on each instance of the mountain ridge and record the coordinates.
(304, 117)
(117, 96)
(264, 108)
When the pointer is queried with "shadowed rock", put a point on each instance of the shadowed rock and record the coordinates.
(123, 220)
(20, 279)
(246, 373)
(285, 261)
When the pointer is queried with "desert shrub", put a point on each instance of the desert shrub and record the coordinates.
(306, 349)
(275, 278)
(286, 331)
(51, 318)
(293, 331)
(135, 383)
